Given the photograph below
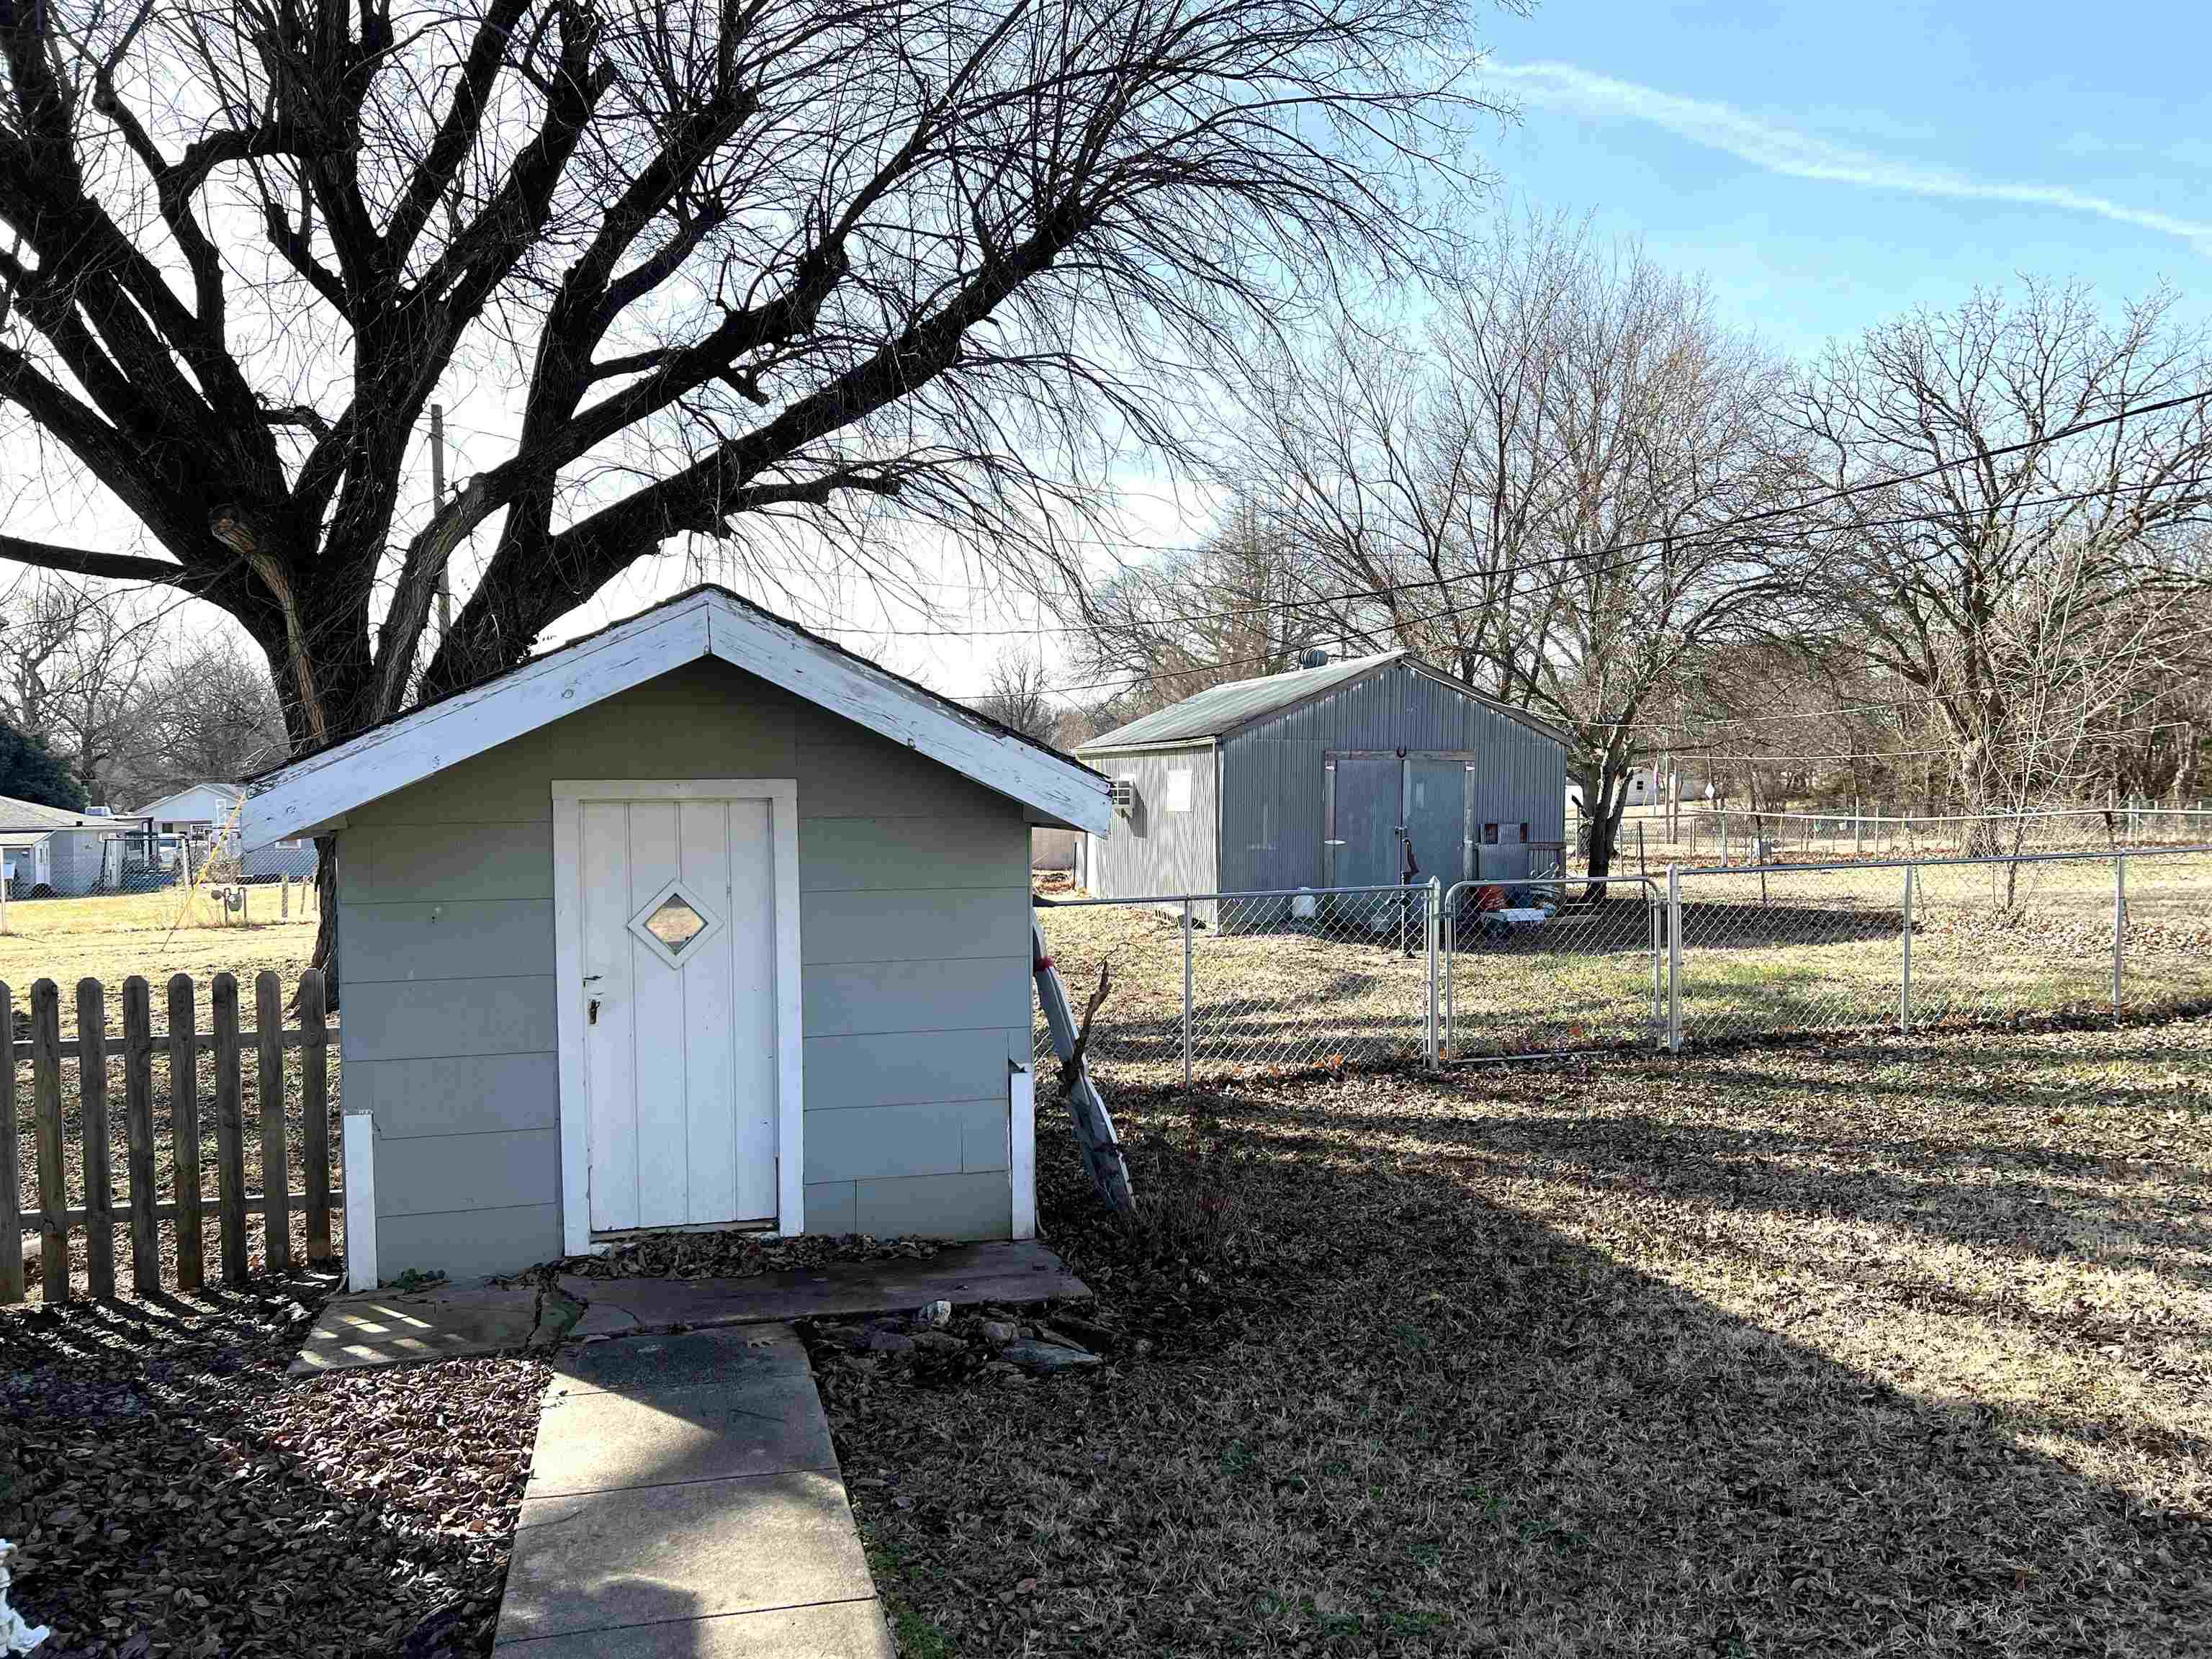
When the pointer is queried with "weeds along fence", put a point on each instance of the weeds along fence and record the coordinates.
(1209, 985)
(190, 1114)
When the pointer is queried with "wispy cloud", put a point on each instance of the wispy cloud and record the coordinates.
(1804, 155)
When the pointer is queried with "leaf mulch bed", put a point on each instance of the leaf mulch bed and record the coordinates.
(733, 1256)
(1898, 1347)
(179, 1495)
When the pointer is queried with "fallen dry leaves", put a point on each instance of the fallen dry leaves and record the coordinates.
(1897, 1347)
(183, 1497)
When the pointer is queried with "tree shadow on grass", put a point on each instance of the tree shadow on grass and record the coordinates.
(1396, 1413)
(2023, 1211)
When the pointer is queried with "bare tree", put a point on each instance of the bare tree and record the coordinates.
(1018, 697)
(1228, 609)
(1540, 493)
(77, 667)
(214, 716)
(2039, 589)
(762, 270)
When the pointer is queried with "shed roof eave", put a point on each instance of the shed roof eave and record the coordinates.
(1164, 746)
(313, 794)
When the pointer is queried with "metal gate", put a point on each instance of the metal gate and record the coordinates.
(1593, 975)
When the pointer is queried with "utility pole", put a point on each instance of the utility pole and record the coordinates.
(438, 505)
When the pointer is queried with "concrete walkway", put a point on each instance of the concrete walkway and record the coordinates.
(684, 1503)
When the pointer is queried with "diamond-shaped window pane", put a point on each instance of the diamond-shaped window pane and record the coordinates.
(675, 924)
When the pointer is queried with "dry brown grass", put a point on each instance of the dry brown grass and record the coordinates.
(1902, 1345)
(153, 934)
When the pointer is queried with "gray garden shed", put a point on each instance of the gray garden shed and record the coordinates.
(698, 921)
(1320, 778)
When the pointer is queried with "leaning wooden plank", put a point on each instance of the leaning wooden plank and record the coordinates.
(46, 1107)
(315, 1118)
(92, 1126)
(11, 1174)
(138, 1131)
(229, 1130)
(184, 1133)
(269, 1100)
(1094, 1125)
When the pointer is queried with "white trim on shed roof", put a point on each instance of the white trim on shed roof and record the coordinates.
(317, 789)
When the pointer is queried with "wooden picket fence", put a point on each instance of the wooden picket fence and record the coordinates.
(89, 1052)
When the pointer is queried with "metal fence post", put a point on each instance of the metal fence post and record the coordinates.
(1652, 914)
(1905, 993)
(1673, 959)
(1186, 992)
(2119, 925)
(1435, 939)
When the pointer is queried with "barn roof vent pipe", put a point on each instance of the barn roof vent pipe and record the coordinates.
(1315, 658)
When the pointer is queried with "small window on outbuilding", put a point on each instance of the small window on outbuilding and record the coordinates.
(1490, 834)
(1178, 797)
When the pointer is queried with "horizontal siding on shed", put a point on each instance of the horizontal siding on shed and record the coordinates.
(915, 984)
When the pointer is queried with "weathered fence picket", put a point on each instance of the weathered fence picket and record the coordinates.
(181, 1044)
(47, 1110)
(229, 1130)
(315, 1119)
(185, 1131)
(11, 1173)
(92, 1116)
(138, 1130)
(275, 1183)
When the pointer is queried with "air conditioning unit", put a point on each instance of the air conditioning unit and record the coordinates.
(1124, 794)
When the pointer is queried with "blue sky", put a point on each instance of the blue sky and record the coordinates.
(1946, 145)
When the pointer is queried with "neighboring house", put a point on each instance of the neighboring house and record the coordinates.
(65, 853)
(700, 920)
(1320, 777)
(202, 811)
(206, 815)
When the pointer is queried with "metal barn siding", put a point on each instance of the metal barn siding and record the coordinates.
(1273, 802)
(1152, 849)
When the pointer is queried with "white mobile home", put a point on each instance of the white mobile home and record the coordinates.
(60, 852)
(700, 920)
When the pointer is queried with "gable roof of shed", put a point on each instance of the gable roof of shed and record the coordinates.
(1221, 709)
(317, 788)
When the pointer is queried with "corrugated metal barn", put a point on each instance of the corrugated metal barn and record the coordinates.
(1323, 777)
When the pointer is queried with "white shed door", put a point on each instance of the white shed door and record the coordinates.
(679, 1020)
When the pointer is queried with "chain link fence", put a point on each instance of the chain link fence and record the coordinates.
(87, 862)
(1651, 838)
(1238, 984)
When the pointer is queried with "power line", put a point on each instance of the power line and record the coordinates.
(1343, 637)
(1690, 539)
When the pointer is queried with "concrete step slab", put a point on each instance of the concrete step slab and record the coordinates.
(1017, 1272)
(605, 1560)
(646, 1366)
(401, 1328)
(609, 1441)
(838, 1629)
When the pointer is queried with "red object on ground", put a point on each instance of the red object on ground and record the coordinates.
(1490, 898)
